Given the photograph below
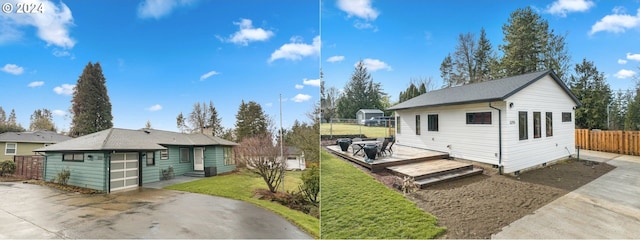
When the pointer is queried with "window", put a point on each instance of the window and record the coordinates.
(151, 160)
(184, 155)
(479, 118)
(398, 124)
(432, 122)
(549, 126)
(537, 125)
(566, 117)
(417, 124)
(228, 156)
(164, 154)
(522, 125)
(73, 157)
(10, 148)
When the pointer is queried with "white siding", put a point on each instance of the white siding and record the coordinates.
(545, 95)
(477, 142)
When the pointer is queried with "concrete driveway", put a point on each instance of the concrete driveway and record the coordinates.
(37, 212)
(608, 207)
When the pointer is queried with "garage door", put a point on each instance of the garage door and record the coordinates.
(123, 171)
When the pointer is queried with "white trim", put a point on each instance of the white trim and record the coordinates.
(124, 171)
(15, 148)
(196, 166)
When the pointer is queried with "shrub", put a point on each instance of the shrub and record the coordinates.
(7, 167)
(310, 186)
(63, 176)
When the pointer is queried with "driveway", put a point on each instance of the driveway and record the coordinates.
(37, 212)
(608, 207)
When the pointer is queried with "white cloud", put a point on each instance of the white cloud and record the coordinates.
(633, 56)
(59, 112)
(60, 53)
(618, 22)
(562, 7)
(374, 65)
(333, 59)
(311, 82)
(208, 75)
(296, 50)
(624, 73)
(298, 86)
(248, 33)
(36, 84)
(154, 108)
(52, 24)
(359, 8)
(64, 89)
(364, 25)
(13, 69)
(622, 61)
(159, 8)
(301, 97)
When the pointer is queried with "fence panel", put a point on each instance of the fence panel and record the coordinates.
(622, 142)
(29, 167)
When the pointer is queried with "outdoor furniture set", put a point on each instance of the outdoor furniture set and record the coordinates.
(370, 149)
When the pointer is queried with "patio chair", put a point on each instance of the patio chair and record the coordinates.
(354, 147)
(383, 148)
(390, 149)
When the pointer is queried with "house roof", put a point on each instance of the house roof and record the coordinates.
(494, 90)
(33, 137)
(371, 111)
(126, 139)
(292, 150)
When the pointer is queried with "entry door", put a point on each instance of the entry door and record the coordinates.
(198, 159)
(123, 171)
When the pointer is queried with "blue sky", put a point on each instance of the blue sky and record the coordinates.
(160, 57)
(409, 40)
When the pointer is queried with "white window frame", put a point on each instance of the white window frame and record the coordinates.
(164, 154)
(227, 153)
(15, 148)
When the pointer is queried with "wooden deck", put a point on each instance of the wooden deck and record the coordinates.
(401, 155)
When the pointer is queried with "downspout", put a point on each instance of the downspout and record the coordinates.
(499, 138)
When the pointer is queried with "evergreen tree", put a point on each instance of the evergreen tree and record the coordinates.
(42, 119)
(3, 116)
(590, 87)
(417, 87)
(483, 56)
(446, 71)
(180, 123)
(215, 122)
(9, 124)
(91, 107)
(12, 120)
(360, 93)
(632, 118)
(250, 121)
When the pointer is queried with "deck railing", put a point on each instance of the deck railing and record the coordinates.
(622, 142)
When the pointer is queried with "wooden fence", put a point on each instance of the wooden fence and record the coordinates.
(622, 142)
(29, 167)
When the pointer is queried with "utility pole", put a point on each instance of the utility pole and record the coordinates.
(281, 147)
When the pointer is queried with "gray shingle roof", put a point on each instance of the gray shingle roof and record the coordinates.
(126, 139)
(33, 137)
(494, 90)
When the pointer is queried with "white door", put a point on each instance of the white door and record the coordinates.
(198, 159)
(123, 171)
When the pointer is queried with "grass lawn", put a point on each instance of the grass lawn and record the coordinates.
(354, 205)
(345, 129)
(241, 186)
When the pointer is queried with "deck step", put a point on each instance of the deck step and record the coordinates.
(448, 176)
(444, 172)
(194, 174)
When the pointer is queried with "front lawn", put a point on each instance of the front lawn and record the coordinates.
(355, 205)
(241, 186)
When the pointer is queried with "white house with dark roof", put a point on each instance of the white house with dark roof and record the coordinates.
(364, 114)
(117, 159)
(513, 123)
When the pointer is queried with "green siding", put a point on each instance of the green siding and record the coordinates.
(23, 149)
(214, 156)
(151, 173)
(174, 161)
(88, 174)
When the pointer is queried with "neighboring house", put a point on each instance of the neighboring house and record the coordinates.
(513, 123)
(116, 159)
(295, 159)
(364, 114)
(23, 143)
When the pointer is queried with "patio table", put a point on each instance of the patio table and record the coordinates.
(361, 145)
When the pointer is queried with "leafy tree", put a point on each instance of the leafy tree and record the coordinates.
(251, 121)
(42, 119)
(228, 134)
(310, 186)
(360, 93)
(471, 62)
(590, 87)
(328, 101)
(417, 87)
(632, 118)
(9, 124)
(262, 156)
(531, 46)
(180, 123)
(91, 107)
(618, 110)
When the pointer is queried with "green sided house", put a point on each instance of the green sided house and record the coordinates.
(23, 143)
(118, 159)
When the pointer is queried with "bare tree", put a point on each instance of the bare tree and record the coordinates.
(262, 156)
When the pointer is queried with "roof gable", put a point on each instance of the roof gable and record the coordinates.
(494, 90)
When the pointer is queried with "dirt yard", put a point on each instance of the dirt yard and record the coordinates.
(479, 206)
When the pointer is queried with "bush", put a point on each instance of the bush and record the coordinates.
(7, 167)
(63, 176)
(310, 186)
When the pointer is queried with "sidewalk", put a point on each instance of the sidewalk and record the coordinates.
(608, 207)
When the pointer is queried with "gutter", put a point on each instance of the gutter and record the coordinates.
(499, 138)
